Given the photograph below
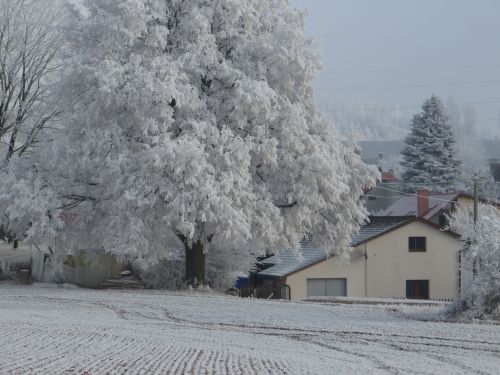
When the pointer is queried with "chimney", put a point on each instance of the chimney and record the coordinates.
(422, 202)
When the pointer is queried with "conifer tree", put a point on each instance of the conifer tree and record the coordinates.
(429, 156)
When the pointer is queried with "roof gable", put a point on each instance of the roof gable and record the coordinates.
(288, 262)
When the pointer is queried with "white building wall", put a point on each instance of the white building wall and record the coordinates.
(383, 273)
(390, 263)
(331, 268)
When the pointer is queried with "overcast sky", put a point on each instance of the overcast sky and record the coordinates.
(398, 52)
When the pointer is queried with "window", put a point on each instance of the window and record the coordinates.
(327, 287)
(443, 221)
(417, 244)
(417, 289)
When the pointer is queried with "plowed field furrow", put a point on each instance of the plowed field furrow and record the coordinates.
(46, 330)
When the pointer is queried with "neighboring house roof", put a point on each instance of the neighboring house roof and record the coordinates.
(407, 206)
(388, 177)
(287, 262)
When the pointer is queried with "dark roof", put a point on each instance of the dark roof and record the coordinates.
(388, 176)
(288, 262)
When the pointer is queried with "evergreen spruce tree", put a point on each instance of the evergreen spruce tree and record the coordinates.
(429, 156)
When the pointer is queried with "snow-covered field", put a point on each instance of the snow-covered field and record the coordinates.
(51, 330)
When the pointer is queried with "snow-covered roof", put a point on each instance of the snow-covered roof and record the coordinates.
(377, 227)
(286, 262)
(407, 206)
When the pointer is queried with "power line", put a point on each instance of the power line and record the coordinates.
(448, 182)
(431, 185)
(397, 108)
(370, 109)
(417, 68)
(488, 119)
(423, 85)
(431, 198)
(417, 195)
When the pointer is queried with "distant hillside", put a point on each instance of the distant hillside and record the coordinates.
(369, 121)
(371, 151)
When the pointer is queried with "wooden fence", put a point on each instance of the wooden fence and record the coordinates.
(278, 291)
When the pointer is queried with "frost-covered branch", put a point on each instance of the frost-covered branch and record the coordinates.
(480, 260)
(289, 205)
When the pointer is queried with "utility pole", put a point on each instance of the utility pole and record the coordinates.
(475, 264)
(475, 199)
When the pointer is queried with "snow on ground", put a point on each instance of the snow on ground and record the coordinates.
(50, 330)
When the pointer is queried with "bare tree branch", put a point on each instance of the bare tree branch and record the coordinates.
(29, 48)
(289, 205)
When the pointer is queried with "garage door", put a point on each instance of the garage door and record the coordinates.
(327, 287)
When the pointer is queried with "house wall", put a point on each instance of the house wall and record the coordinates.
(331, 268)
(90, 268)
(389, 264)
(465, 201)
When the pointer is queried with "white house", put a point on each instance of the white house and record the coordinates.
(396, 257)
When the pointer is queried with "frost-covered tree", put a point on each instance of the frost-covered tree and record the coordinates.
(480, 260)
(474, 165)
(429, 156)
(30, 43)
(468, 145)
(196, 119)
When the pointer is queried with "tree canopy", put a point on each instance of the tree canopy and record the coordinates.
(196, 119)
(480, 264)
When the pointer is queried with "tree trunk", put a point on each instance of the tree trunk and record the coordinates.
(12, 145)
(195, 264)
